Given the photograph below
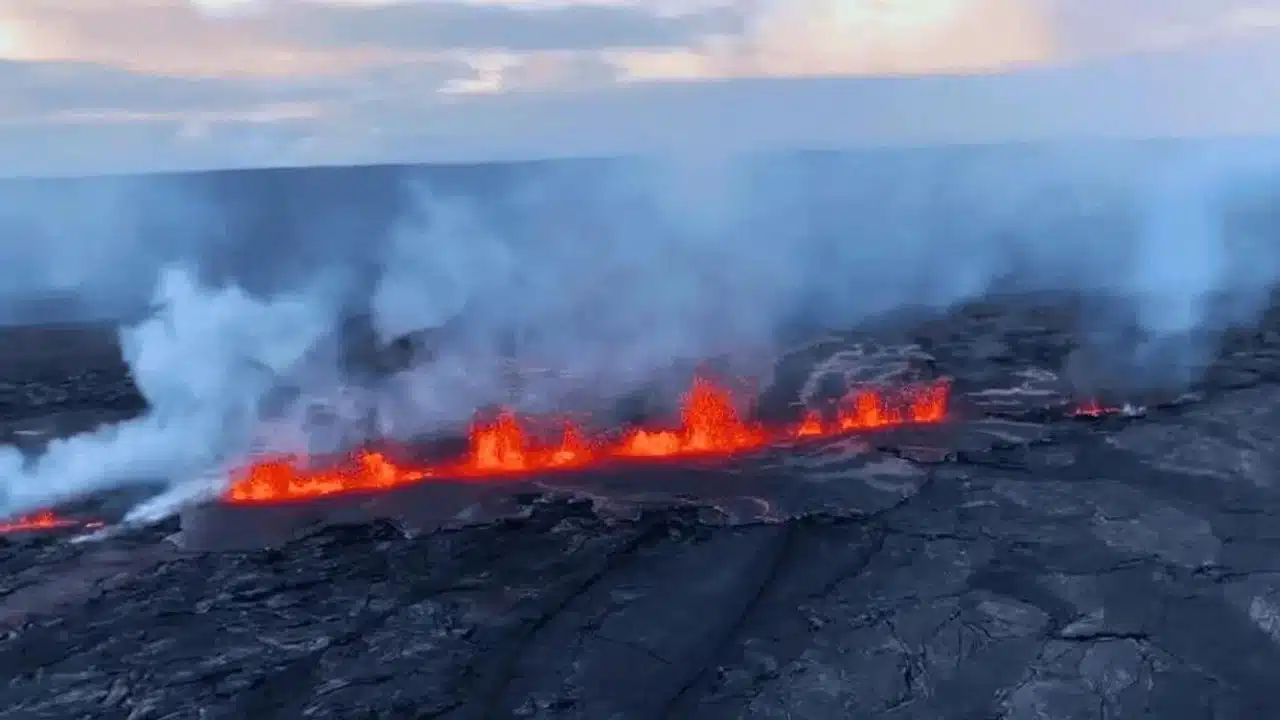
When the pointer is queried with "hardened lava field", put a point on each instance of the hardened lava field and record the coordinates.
(1046, 550)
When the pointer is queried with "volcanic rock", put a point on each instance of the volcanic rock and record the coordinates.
(64, 375)
(1016, 563)
(819, 373)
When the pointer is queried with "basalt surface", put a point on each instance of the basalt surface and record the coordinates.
(1020, 562)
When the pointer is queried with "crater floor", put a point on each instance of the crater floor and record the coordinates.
(1022, 564)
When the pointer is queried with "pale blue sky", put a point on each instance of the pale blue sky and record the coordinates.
(105, 84)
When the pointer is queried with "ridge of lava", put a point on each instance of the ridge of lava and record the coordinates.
(40, 521)
(503, 447)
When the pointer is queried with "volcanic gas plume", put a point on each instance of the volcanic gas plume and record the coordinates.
(504, 447)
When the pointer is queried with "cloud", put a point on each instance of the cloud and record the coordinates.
(415, 26)
(652, 38)
(542, 71)
(61, 87)
(164, 37)
(296, 37)
(296, 80)
(838, 37)
(1105, 27)
(72, 91)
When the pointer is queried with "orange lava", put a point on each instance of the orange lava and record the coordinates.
(710, 424)
(1094, 409)
(43, 520)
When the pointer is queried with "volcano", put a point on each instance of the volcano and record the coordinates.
(959, 538)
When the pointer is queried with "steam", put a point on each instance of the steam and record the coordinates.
(440, 255)
(605, 273)
(1207, 257)
(203, 362)
(54, 270)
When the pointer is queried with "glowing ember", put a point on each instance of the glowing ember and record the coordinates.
(1095, 409)
(1092, 408)
(44, 520)
(710, 424)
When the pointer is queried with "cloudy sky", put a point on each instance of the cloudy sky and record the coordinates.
(88, 83)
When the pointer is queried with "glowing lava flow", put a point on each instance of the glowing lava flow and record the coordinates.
(1093, 409)
(44, 520)
(710, 424)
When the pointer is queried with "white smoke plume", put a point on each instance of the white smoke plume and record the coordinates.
(204, 362)
(605, 272)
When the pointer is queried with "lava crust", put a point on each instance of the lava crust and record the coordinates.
(1036, 557)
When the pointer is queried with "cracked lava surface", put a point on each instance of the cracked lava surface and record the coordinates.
(1044, 558)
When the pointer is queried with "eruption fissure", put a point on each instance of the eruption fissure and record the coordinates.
(1094, 409)
(43, 520)
(710, 425)
(225, 317)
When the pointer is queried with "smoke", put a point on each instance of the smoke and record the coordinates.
(606, 273)
(53, 271)
(204, 362)
(439, 256)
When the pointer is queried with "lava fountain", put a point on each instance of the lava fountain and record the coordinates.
(710, 424)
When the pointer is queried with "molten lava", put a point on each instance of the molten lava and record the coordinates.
(710, 424)
(43, 520)
(1093, 409)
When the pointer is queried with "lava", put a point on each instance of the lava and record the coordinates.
(710, 425)
(44, 520)
(1092, 409)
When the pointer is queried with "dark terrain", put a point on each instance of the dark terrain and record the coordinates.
(1018, 563)
(61, 378)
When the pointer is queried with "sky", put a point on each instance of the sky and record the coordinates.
(89, 84)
